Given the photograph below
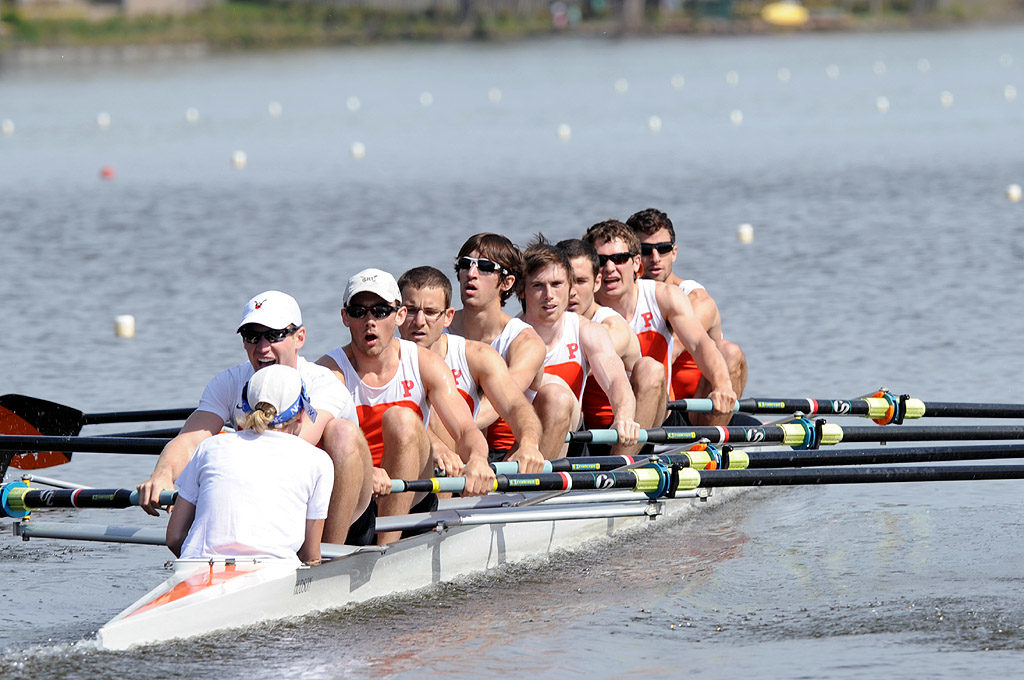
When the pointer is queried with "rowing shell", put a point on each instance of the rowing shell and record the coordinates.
(469, 536)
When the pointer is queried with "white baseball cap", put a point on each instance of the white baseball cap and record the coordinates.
(281, 387)
(272, 309)
(375, 281)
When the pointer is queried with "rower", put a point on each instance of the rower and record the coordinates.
(395, 384)
(658, 252)
(655, 311)
(272, 333)
(261, 491)
(488, 267)
(477, 368)
(578, 349)
(646, 376)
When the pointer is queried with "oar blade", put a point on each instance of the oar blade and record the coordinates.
(23, 415)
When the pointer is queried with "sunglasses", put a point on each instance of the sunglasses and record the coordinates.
(379, 311)
(617, 258)
(484, 265)
(272, 335)
(663, 248)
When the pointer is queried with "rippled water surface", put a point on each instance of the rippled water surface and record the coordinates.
(885, 253)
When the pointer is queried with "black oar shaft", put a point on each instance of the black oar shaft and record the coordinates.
(800, 476)
(881, 455)
(140, 445)
(137, 416)
(920, 433)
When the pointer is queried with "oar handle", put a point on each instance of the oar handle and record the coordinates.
(18, 499)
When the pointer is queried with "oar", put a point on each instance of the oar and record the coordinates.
(803, 433)
(23, 415)
(887, 409)
(737, 459)
(27, 444)
(17, 499)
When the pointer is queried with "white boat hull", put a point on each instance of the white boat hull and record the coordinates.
(204, 596)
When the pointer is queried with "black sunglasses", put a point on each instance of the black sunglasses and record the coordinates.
(617, 258)
(663, 248)
(273, 335)
(379, 311)
(482, 263)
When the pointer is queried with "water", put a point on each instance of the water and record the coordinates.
(885, 253)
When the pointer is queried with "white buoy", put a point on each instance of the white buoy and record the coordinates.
(783, 74)
(192, 115)
(946, 99)
(7, 126)
(732, 78)
(275, 109)
(426, 99)
(103, 120)
(621, 86)
(1009, 94)
(357, 150)
(832, 71)
(879, 68)
(654, 124)
(1006, 60)
(1013, 192)
(745, 233)
(124, 326)
(736, 117)
(882, 104)
(494, 95)
(564, 132)
(677, 81)
(353, 104)
(239, 160)
(923, 65)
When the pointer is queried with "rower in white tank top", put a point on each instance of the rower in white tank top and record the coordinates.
(455, 357)
(650, 325)
(404, 389)
(499, 434)
(566, 359)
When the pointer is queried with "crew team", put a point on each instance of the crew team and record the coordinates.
(607, 335)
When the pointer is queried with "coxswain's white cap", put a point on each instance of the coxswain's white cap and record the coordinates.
(375, 281)
(281, 387)
(272, 309)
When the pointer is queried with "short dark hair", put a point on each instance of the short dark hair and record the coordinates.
(610, 230)
(577, 247)
(496, 248)
(427, 277)
(649, 221)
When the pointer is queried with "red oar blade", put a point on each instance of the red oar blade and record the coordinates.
(24, 415)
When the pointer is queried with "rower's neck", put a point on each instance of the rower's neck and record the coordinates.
(550, 331)
(440, 346)
(484, 324)
(624, 304)
(673, 280)
(376, 369)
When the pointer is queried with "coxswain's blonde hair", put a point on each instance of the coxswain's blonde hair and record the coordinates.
(258, 419)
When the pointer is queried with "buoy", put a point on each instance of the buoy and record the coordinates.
(745, 233)
(564, 132)
(832, 71)
(946, 99)
(736, 117)
(1009, 94)
(426, 99)
(494, 95)
(1013, 192)
(275, 109)
(103, 120)
(1006, 60)
(882, 104)
(677, 81)
(621, 86)
(732, 78)
(923, 65)
(353, 104)
(124, 326)
(783, 74)
(879, 68)
(357, 150)
(785, 14)
(192, 115)
(239, 160)
(107, 172)
(654, 124)
(7, 126)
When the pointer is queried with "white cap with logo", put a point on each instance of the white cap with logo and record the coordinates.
(273, 309)
(375, 281)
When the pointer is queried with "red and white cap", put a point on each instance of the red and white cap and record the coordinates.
(272, 309)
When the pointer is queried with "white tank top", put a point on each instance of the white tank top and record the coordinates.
(650, 326)
(456, 359)
(404, 389)
(566, 358)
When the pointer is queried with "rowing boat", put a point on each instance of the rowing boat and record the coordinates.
(465, 536)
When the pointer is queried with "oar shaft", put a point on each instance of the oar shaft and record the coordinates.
(640, 479)
(866, 475)
(140, 445)
(872, 407)
(18, 499)
(137, 416)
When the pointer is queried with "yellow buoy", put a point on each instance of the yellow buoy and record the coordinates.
(783, 13)
(124, 326)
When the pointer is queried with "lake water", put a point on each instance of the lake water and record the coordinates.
(873, 169)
